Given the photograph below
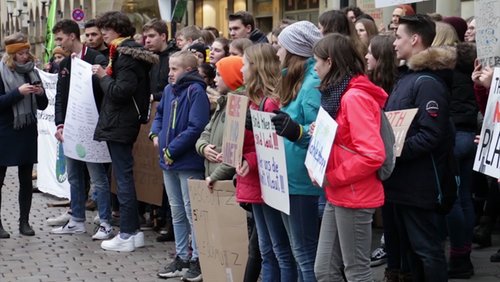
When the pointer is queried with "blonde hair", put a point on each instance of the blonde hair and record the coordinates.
(445, 35)
(264, 69)
(289, 83)
(186, 58)
(7, 58)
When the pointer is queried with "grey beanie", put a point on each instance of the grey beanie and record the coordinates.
(299, 38)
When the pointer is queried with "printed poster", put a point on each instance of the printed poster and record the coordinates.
(320, 145)
(234, 129)
(487, 159)
(400, 122)
(51, 168)
(81, 118)
(271, 161)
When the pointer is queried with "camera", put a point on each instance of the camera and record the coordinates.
(34, 79)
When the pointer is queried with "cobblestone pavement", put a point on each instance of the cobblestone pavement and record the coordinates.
(46, 257)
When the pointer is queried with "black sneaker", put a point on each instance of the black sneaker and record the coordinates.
(194, 272)
(176, 268)
(378, 257)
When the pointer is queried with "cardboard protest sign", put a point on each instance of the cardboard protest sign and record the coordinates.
(487, 159)
(270, 150)
(487, 32)
(148, 176)
(320, 145)
(400, 122)
(234, 129)
(220, 227)
(387, 3)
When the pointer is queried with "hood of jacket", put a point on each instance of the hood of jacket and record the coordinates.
(187, 79)
(439, 60)
(363, 83)
(136, 51)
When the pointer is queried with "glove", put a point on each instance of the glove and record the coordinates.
(286, 126)
(248, 121)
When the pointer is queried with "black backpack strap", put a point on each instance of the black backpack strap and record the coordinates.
(262, 103)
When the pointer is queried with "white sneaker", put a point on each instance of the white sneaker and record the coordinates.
(59, 220)
(118, 244)
(71, 227)
(104, 232)
(97, 220)
(139, 239)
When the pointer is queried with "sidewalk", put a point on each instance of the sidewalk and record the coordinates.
(46, 257)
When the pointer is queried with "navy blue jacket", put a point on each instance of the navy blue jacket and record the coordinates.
(424, 85)
(181, 116)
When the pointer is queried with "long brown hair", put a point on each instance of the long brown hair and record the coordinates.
(345, 59)
(291, 78)
(264, 70)
(385, 72)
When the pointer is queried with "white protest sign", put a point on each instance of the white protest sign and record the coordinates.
(387, 3)
(488, 31)
(487, 159)
(321, 145)
(51, 169)
(270, 150)
(81, 118)
(400, 122)
(234, 129)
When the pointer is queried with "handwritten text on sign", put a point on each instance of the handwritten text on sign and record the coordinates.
(487, 159)
(234, 129)
(400, 122)
(81, 118)
(320, 146)
(488, 32)
(271, 160)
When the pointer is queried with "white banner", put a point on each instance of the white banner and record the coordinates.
(387, 3)
(81, 118)
(487, 159)
(51, 168)
(271, 160)
(487, 32)
(321, 145)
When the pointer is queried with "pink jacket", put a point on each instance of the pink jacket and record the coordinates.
(248, 187)
(358, 150)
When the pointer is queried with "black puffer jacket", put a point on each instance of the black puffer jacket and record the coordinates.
(118, 120)
(424, 85)
(257, 36)
(159, 72)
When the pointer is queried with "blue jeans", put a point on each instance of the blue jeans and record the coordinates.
(277, 257)
(302, 228)
(461, 217)
(180, 204)
(418, 238)
(98, 178)
(123, 163)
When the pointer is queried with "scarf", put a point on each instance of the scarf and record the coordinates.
(112, 53)
(24, 110)
(331, 96)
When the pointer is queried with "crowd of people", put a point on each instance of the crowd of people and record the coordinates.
(345, 64)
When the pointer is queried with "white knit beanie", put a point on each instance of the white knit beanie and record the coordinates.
(299, 38)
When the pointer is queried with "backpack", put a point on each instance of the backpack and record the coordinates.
(387, 134)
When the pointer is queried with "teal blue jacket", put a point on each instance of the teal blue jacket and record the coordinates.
(303, 110)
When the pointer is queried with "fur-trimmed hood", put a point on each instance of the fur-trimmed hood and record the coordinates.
(433, 58)
(138, 52)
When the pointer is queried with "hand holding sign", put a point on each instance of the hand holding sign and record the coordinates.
(285, 126)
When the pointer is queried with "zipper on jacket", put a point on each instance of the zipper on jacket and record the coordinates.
(174, 110)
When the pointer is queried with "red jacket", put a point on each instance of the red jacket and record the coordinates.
(248, 187)
(358, 150)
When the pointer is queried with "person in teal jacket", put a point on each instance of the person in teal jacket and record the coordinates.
(300, 101)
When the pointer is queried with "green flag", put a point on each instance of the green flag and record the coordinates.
(49, 36)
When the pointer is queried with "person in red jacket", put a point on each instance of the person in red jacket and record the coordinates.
(353, 190)
(261, 70)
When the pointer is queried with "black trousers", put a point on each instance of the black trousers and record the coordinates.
(25, 189)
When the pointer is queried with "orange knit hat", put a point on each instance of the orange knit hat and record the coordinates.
(229, 68)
